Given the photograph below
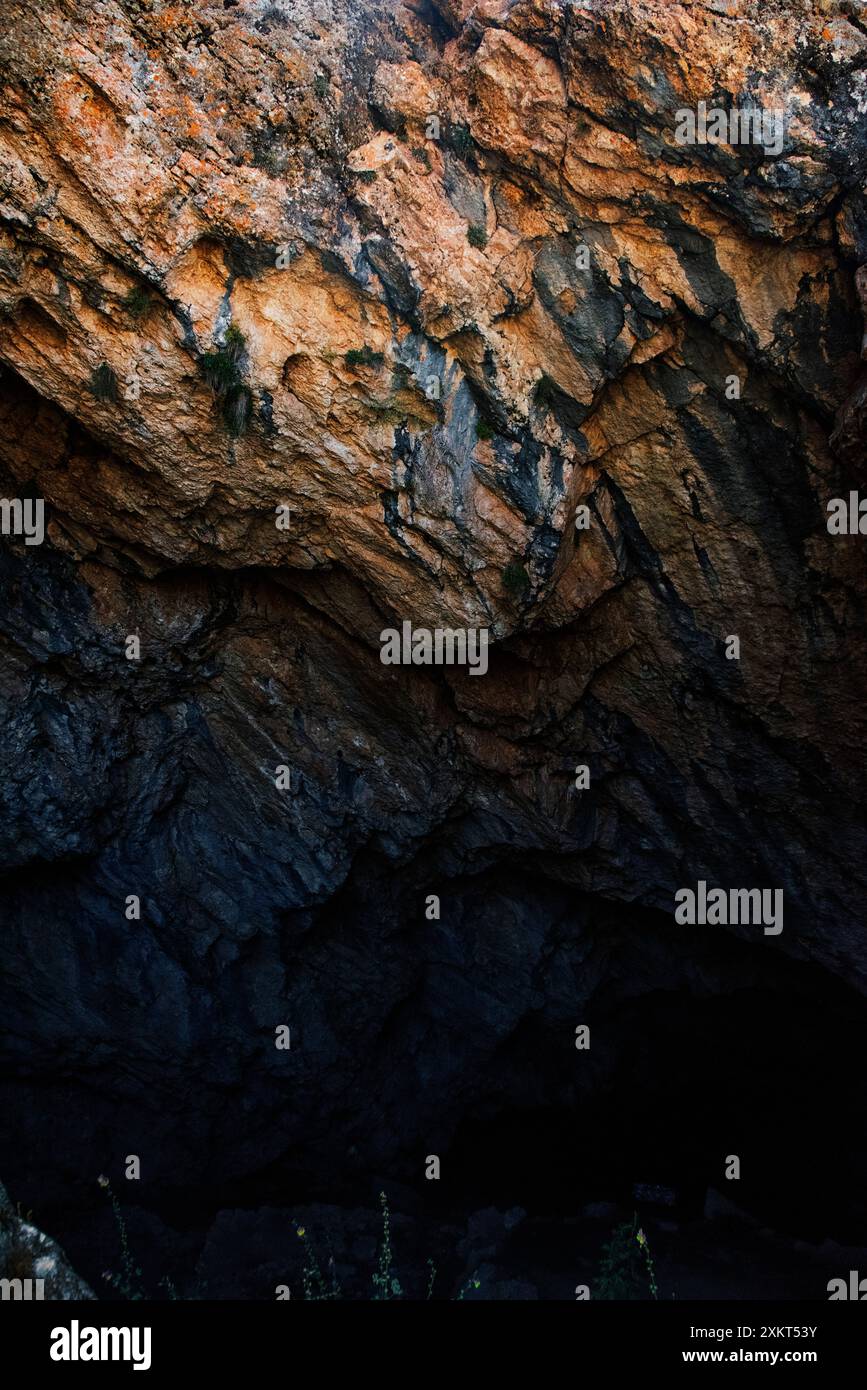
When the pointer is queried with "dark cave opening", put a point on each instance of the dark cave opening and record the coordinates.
(765, 1076)
(704, 1045)
(673, 1084)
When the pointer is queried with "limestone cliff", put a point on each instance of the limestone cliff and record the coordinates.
(439, 279)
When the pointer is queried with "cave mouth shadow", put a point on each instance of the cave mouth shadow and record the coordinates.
(672, 1084)
(703, 1045)
(681, 1084)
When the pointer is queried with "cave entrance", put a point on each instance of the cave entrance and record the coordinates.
(676, 1085)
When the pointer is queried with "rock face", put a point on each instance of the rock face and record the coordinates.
(33, 1266)
(323, 317)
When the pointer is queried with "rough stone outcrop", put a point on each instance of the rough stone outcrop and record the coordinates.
(33, 1266)
(239, 272)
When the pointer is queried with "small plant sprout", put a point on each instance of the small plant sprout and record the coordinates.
(516, 580)
(643, 1245)
(317, 1288)
(104, 384)
(626, 1270)
(137, 302)
(128, 1282)
(363, 357)
(460, 139)
(477, 236)
(222, 370)
(385, 1282)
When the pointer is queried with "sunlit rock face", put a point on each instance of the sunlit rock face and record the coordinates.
(320, 318)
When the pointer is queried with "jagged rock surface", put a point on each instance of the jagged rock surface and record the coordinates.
(156, 162)
(27, 1254)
